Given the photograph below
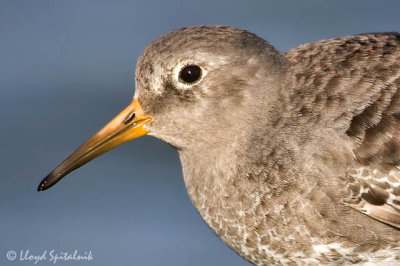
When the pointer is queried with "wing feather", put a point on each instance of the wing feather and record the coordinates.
(384, 213)
(375, 132)
(353, 84)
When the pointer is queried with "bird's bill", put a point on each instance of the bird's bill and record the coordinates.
(129, 124)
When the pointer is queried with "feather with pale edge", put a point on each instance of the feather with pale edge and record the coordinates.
(366, 69)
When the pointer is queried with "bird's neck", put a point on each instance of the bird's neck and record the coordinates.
(208, 168)
(214, 173)
(231, 183)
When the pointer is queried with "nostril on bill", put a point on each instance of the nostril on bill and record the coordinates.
(129, 118)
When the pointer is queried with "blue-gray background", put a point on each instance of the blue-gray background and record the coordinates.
(66, 68)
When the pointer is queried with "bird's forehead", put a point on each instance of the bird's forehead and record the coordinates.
(152, 73)
(155, 66)
(205, 41)
(197, 37)
(210, 47)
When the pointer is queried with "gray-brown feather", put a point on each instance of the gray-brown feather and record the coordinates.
(357, 80)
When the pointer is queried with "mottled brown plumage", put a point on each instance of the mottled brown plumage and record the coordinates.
(290, 158)
(360, 76)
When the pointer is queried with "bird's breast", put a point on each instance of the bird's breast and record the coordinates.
(245, 213)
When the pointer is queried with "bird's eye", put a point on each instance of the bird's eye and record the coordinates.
(190, 74)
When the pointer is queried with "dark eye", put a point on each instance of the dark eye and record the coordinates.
(190, 74)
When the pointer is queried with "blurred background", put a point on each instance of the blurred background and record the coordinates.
(66, 68)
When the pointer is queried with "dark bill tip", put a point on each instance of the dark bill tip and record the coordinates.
(49, 181)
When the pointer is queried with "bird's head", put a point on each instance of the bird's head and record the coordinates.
(196, 86)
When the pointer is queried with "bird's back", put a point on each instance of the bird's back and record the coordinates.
(337, 79)
(349, 88)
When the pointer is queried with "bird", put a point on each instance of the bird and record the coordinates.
(289, 157)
